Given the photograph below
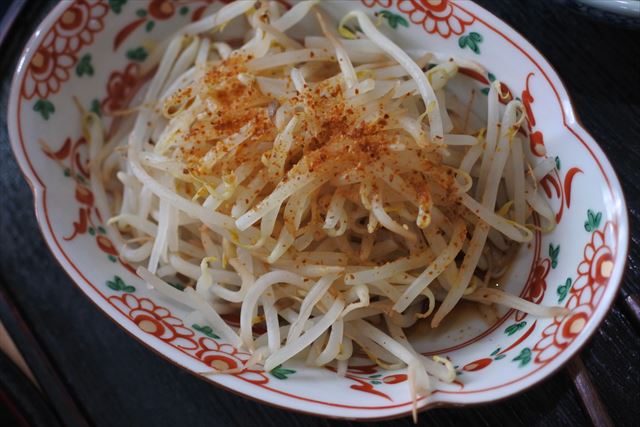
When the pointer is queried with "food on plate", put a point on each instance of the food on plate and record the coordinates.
(334, 189)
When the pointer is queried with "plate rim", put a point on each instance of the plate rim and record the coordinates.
(570, 122)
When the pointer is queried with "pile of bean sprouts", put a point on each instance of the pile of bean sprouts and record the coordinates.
(331, 189)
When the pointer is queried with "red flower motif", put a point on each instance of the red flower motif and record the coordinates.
(161, 9)
(538, 281)
(155, 320)
(76, 27)
(50, 65)
(436, 16)
(538, 285)
(121, 87)
(221, 356)
(593, 275)
(47, 71)
(224, 357)
(595, 269)
(558, 335)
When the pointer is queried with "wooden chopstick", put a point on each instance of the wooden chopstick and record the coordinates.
(51, 384)
(588, 395)
(631, 305)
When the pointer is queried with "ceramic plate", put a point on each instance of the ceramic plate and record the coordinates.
(95, 50)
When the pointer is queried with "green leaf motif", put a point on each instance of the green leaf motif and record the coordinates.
(116, 5)
(141, 13)
(475, 37)
(472, 41)
(102, 230)
(45, 108)
(593, 220)
(554, 252)
(393, 19)
(375, 376)
(512, 329)
(376, 382)
(92, 231)
(496, 351)
(112, 258)
(281, 373)
(95, 107)
(402, 21)
(84, 66)
(491, 77)
(485, 91)
(139, 54)
(206, 330)
(112, 285)
(558, 163)
(563, 290)
(150, 26)
(184, 10)
(176, 285)
(117, 284)
(523, 358)
(500, 356)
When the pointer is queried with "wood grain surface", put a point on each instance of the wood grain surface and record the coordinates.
(112, 380)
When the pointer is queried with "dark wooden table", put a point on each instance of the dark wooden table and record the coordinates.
(91, 372)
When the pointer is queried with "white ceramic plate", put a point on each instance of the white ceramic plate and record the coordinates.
(94, 50)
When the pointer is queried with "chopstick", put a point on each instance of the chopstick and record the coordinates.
(632, 305)
(51, 384)
(588, 394)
